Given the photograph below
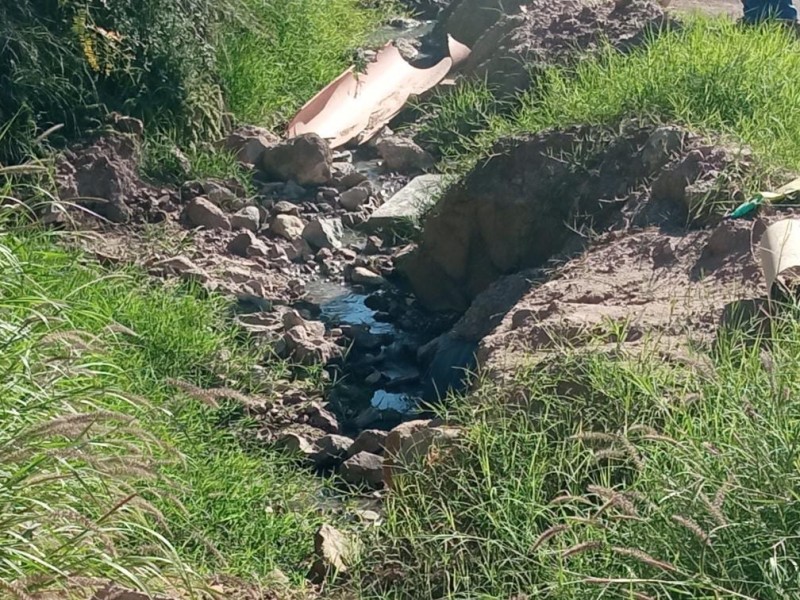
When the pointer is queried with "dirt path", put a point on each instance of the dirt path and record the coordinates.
(732, 7)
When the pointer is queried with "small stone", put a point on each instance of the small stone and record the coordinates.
(324, 233)
(246, 244)
(403, 154)
(299, 251)
(321, 418)
(369, 440)
(201, 212)
(331, 450)
(248, 143)
(286, 208)
(247, 218)
(176, 265)
(373, 378)
(363, 469)
(292, 443)
(366, 277)
(287, 226)
(354, 198)
(334, 553)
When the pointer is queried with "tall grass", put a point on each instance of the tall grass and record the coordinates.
(604, 476)
(289, 50)
(713, 76)
(107, 470)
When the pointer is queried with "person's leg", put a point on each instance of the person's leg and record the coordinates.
(758, 10)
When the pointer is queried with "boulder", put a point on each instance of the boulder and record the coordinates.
(248, 218)
(306, 159)
(363, 469)
(403, 154)
(324, 233)
(201, 212)
(408, 206)
(334, 552)
(287, 226)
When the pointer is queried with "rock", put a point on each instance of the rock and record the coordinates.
(246, 244)
(331, 450)
(369, 440)
(248, 143)
(292, 319)
(324, 233)
(102, 177)
(176, 265)
(407, 207)
(403, 154)
(354, 198)
(201, 212)
(306, 159)
(247, 218)
(300, 251)
(334, 554)
(365, 277)
(286, 208)
(287, 226)
(412, 441)
(345, 177)
(221, 195)
(293, 443)
(308, 349)
(363, 469)
(321, 418)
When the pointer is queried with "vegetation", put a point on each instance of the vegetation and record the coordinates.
(179, 66)
(713, 76)
(109, 469)
(592, 475)
(596, 475)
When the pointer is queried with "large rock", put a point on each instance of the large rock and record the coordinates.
(201, 212)
(403, 154)
(306, 159)
(407, 207)
(324, 233)
(363, 469)
(287, 226)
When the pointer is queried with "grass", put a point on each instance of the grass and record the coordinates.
(288, 51)
(713, 76)
(599, 475)
(108, 470)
